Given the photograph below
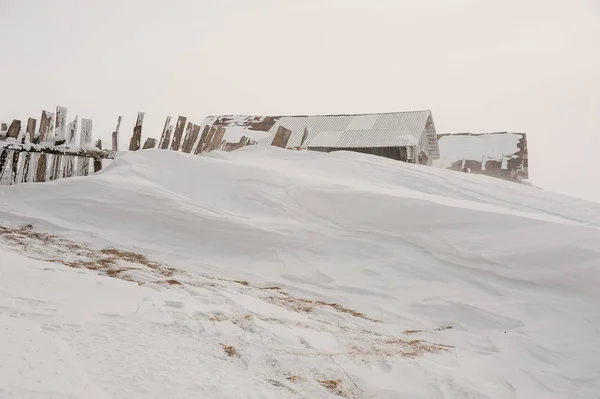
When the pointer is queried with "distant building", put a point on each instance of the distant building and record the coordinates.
(502, 154)
(404, 136)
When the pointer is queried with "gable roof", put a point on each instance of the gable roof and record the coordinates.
(395, 129)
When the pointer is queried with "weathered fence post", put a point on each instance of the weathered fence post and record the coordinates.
(29, 137)
(13, 133)
(40, 169)
(15, 167)
(150, 143)
(191, 135)
(135, 142)
(202, 140)
(176, 143)
(61, 123)
(45, 121)
(3, 155)
(14, 129)
(97, 159)
(281, 137)
(83, 163)
(115, 136)
(69, 160)
(165, 138)
(209, 139)
(31, 122)
(215, 140)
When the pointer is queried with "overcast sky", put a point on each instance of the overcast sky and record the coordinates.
(480, 65)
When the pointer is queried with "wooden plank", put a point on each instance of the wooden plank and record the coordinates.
(281, 137)
(40, 169)
(3, 158)
(61, 122)
(55, 167)
(191, 136)
(51, 135)
(59, 137)
(15, 167)
(30, 136)
(72, 132)
(195, 134)
(71, 140)
(98, 161)
(202, 140)
(45, 121)
(178, 133)
(165, 138)
(209, 139)
(135, 142)
(187, 137)
(217, 139)
(27, 157)
(115, 136)
(149, 144)
(14, 129)
(83, 163)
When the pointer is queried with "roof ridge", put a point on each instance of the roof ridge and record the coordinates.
(292, 116)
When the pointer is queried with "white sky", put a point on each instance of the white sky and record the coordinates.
(480, 65)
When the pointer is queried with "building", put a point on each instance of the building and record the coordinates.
(502, 154)
(405, 136)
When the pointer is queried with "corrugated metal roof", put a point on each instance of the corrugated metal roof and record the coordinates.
(396, 129)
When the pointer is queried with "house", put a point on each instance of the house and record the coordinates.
(501, 154)
(404, 136)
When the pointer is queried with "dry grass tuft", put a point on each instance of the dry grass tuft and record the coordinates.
(307, 306)
(333, 386)
(273, 288)
(413, 331)
(116, 272)
(217, 317)
(230, 350)
(442, 328)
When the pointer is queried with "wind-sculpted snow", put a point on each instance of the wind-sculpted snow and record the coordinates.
(267, 273)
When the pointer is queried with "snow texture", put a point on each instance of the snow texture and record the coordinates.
(266, 273)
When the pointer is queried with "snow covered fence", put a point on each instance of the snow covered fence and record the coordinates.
(52, 152)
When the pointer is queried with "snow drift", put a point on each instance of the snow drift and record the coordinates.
(269, 273)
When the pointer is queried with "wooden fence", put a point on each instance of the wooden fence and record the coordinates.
(55, 150)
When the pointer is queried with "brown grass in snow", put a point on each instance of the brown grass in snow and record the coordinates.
(333, 386)
(230, 350)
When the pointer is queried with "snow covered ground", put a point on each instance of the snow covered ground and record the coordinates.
(266, 273)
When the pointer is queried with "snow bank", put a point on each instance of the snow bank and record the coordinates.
(504, 275)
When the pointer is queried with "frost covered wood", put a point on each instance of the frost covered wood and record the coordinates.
(176, 143)
(83, 163)
(14, 129)
(149, 144)
(45, 123)
(61, 122)
(281, 137)
(165, 138)
(135, 142)
(190, 137)
(115, 136)
(31, 124)
(202, 140)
